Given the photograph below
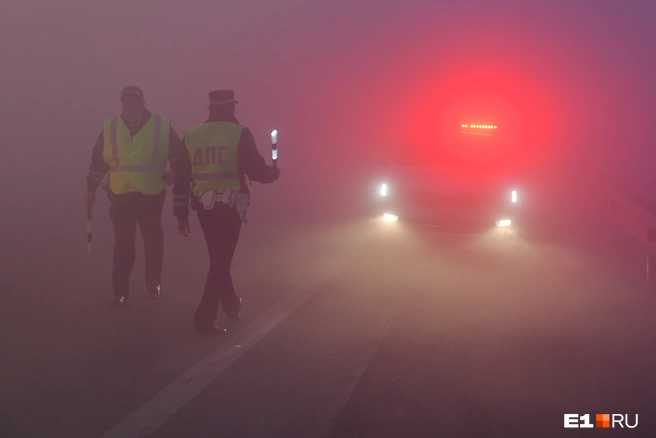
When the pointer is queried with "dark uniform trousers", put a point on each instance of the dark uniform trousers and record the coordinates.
(221, 226)
(126, 212)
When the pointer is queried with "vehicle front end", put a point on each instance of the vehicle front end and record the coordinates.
(430, 206)
(422, 189)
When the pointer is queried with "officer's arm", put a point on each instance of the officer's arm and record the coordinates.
(251, 162)
(98, 167)
(181, 167)
(176, 148)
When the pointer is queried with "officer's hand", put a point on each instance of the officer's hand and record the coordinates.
(89, 199)
(184, 228)
(168, 177)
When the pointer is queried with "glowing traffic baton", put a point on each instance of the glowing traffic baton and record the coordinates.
(89, 235)
(274, 148)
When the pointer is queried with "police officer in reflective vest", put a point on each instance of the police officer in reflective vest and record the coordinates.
(134, 148)
(221, 153)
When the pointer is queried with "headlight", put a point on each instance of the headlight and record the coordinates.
(513, 196)
(383, 190)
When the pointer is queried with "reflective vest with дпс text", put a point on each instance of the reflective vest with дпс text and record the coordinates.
(136, 164)
(212, 148)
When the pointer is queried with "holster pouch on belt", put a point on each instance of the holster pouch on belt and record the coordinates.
(227, 196)
(208, 199)
(241, 202)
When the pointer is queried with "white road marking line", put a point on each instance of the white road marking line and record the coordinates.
(164, 405)
(343, 392)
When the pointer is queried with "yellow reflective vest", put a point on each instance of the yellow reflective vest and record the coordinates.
(136, 164)
(212, 148)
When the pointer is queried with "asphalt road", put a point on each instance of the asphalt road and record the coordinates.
(352, 327)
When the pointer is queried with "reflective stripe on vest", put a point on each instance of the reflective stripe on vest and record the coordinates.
(141, 169)
(148, 158)
(212, 149)
(215, 176)
(180, 200)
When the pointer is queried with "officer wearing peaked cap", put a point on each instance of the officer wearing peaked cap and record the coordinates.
(134, 148)
(221, 153)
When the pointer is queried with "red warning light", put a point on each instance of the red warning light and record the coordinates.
(486, 103)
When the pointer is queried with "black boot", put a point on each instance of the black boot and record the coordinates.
(233, 311)
(210, 330)
(120, 302)
(154, 292)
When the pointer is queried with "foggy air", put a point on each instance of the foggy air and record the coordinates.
(310, 218)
